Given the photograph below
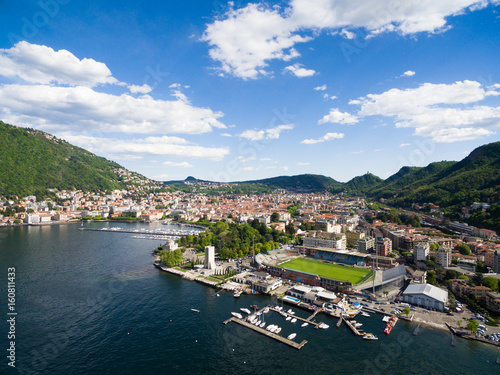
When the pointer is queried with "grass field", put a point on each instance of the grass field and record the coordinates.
(332, 271)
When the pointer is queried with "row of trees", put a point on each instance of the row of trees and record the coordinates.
(171, 258)
(233, 240)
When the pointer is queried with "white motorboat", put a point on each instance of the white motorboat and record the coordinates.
(370, 336)
(245, 310)
(266, 310)
(288, 318)
(292, 336)
(323, 326)
(278, 330)
(195, 310)
(304, 324)
(293, 320)
(237, 315)
(357, 325)
(262, 325)
(366, 315)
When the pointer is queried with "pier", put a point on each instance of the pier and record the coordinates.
(353, 329)
(264, 332)
(307, 320)
(158, 232)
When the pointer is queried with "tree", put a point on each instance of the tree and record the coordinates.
(275, 217)
(478, 279)
(434, 246)
(491, 282)
(464, 249)
(459, 323)
(406, 311)
(450, 274)
(431, 277)
(472, 325)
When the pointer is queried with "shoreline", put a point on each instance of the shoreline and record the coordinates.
(438, 326)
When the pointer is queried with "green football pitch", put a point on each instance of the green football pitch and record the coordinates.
(331, 271)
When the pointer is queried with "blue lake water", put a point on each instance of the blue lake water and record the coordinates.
(92, 303)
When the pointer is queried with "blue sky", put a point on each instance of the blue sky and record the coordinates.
(233, 91)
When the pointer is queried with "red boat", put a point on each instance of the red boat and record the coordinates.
(390, 324)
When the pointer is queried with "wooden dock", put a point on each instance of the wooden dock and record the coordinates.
(353, 329)
(262, 331)
(307, 320)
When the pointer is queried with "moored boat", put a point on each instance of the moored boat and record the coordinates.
(237, 315)
(292, 336)
(370, 336)
(304, 324)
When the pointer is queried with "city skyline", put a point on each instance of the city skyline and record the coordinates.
(240, 91)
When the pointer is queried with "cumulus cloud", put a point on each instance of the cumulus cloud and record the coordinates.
(38, 64)
(408, 73)
(443, 112)
(325, 138)
(337, 117)
(347, 34)
(83, 109)
(183, 164)
(320, 88)
(164, 145)
(136, 89)
(245, 40)
(271, 133)
(299, 71)
(55, 91)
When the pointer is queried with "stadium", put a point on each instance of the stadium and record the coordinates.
(342, 270)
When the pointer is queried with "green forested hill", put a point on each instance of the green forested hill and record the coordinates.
(309, 182)
(32, 161)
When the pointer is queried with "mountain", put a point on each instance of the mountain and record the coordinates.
(32, 161)
(361, 185)
(305, 182)
(475, 178)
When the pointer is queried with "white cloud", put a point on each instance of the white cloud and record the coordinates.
(404, 145)
(272, 133)
(171, 146)
(320, 88)
(408, 73)
(325, 96)
(183, 164)
(265, 159)
(245, 40)
(357, 152)
(80, 109)
(175, 86)
(337, 117)
(333, 97)
(443, 112)
(38, 64)
(347, 34)
(136, 89)
(248, 169)
(325, 138)
(285, 168)
(244, 160)
(300, 72)
(303, 164)
(225, 135)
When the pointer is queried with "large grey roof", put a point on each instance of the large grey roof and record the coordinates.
(428, 290)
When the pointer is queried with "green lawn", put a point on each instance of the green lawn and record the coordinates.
(332, 271)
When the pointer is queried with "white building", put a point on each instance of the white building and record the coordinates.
(209, 257)
(421, 251)
(426, 295)
(443, 256)
(32, 219)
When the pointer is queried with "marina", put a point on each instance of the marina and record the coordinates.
(155, 232)
(285, 340)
